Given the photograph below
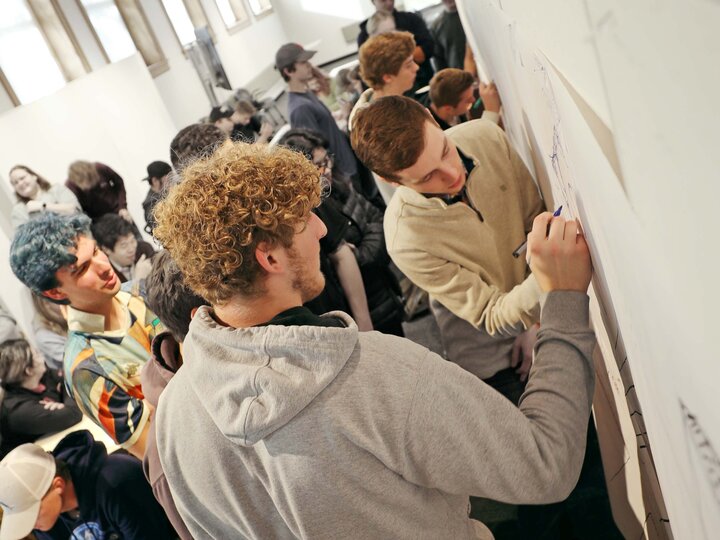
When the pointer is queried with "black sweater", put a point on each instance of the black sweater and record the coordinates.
(24, 419)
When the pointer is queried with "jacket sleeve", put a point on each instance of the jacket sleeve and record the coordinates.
(32, 418)
(439, 57)
(372, 247)
(419, 29)
(467, 295)
(363, 35)
(463, 437)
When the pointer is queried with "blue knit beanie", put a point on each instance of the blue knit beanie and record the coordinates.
(42, 246)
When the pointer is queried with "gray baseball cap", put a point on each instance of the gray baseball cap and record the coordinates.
(26, 474)
(290, 53)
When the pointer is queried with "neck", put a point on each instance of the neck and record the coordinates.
(31, 384)
(297, 86)
(116, 264)
(111, 309)
(69, 498)
(388, 90)
(441, 114)
(244, 313)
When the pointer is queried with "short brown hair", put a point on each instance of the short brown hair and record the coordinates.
(447, 85)
(388, 135)
(227, 204)
(384, 54)
(245, 107)
(195, 141)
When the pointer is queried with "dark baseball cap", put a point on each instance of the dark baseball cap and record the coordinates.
(218, 112)
(290, 53)
(157, 169)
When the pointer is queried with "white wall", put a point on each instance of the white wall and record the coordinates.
(5, 102)
(114, 115)
(306, 21)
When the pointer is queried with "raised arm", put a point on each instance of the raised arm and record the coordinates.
(464, 437)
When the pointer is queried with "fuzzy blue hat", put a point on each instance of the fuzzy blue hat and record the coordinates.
(42, 246)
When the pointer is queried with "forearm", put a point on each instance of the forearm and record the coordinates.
(348, 273)
(61, 208)
(468, 439)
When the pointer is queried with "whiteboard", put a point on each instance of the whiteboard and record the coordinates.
(615, 106)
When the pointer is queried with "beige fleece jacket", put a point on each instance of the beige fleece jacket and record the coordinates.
(463, 258)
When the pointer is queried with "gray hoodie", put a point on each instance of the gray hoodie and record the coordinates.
(321, 432)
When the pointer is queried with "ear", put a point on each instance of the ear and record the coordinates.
(268, 258)
(387, 79)
(54, 294)
(193, 311)
(58, 483)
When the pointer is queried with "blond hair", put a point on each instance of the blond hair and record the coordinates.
(228, 203)
(83, 174)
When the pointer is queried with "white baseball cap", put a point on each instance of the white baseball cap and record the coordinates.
(25, 477)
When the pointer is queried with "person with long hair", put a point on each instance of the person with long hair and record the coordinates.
(33, 401)
(50, 328)
(35, 195)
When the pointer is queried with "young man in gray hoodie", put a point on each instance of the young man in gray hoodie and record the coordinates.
(283, 424)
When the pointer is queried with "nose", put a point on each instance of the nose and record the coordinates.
(321, 228)
(448, 173)
(102, 264)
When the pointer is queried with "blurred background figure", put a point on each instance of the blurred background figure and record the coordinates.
(50, 327)
(34, 195)
(33, 401)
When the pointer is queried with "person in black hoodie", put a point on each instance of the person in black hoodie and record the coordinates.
(98, 496)
(361, 227)
(33, 401)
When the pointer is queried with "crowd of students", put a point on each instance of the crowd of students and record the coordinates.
(254, 371)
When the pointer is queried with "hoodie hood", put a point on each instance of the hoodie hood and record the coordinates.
(165, 362)
(84, 457)
(252, 381)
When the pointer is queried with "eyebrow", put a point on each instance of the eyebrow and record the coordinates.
(445, 149)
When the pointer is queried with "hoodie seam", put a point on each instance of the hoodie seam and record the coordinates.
(411, 408)
(255, 397)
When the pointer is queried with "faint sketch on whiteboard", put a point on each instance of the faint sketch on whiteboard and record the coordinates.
(558, 154)
(706, 464)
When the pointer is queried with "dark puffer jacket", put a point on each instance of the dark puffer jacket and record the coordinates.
(365, 232)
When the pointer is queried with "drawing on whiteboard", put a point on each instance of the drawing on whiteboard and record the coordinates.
(706, 464)
(558, 154)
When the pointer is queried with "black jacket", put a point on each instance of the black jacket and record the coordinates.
(24, 419)
(115, 501)
(365, 231)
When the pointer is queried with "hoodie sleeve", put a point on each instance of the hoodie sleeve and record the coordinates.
(464, 437)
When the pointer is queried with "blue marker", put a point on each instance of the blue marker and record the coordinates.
(522, 248)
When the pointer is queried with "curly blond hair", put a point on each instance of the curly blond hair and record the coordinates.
(227, 204)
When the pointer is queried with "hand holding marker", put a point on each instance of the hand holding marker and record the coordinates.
(522, 248)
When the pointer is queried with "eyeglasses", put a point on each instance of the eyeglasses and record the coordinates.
(325, 163)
